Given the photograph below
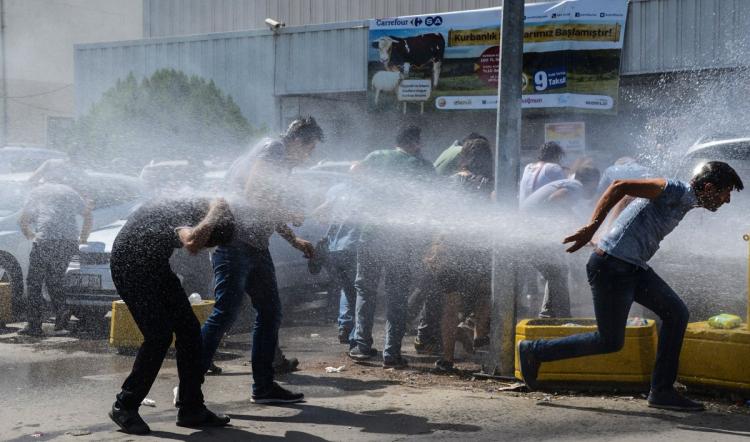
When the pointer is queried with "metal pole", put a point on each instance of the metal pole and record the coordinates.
(507, 166)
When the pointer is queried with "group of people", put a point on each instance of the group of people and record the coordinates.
(372, 235)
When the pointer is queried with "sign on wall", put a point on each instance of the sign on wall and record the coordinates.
(571, 136)
(571, 57)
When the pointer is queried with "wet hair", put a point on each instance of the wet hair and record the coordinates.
(473, 136)
(587, 174)
(305, 130)
(476, 157)
(408, 135)
(223, 230)
(550, 152)
(718, 173)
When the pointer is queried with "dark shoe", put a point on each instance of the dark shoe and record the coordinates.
(529, 364)
(32, 330)
(672, 400)
(129, 421)
(286, 366)
(277, 395)
(214, 370)
(396, 362)
(344, 335)
(443, 367)
(359, 355)
(201, 417)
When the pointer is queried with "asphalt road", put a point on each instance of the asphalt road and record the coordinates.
(60, 388)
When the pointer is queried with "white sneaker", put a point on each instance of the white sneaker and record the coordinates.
(175, 392)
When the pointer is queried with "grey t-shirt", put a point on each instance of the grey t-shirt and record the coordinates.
(52, 209)
(538, 203)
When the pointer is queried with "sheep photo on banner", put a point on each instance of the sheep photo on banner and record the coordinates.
(449, 61)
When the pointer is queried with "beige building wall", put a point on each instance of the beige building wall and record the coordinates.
(39, 38)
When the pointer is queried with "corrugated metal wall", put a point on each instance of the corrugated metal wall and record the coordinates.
(673, 35)
(185, 17)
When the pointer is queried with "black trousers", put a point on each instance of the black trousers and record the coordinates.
(160, 308)
(48, 262)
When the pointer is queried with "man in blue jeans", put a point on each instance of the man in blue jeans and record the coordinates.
(619, 274)
(388, 249)
(245, 265)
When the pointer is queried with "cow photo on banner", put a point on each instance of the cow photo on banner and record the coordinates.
(450, 61)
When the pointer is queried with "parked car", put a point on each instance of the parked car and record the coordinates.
(26, 159)
(114, 196)
(89, 284)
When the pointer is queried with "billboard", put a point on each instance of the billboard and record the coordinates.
(450, 61)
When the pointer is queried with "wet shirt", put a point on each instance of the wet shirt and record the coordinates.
(150, 230)
(472, 184)
(536, 175)
(635, 235)
(447, 162)
(398, 162)
(259, 213)
(539, 204)
(52, 209)
(343, 232)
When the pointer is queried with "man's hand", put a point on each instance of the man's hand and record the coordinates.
(29, 235)
(581, 237)
(306, 247)
(188, 240)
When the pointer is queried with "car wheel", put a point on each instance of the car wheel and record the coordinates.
(10, 272)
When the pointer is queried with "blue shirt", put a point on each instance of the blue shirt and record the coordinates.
(635, 234)
(343, 233)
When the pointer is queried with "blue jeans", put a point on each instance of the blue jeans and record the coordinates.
(239, 270)
(376, 256)
(342, 266)
(615, 284)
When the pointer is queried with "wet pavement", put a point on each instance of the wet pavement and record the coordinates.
(60, 388)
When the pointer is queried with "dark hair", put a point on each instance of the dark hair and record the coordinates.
(719, 173)
(587, 174)
(408, 135)
(304, 129)
(473, 136)
(551, 152)
(476, 157)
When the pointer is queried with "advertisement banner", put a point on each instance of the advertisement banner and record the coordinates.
(571, 58)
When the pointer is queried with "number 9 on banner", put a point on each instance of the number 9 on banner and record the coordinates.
(540, 81)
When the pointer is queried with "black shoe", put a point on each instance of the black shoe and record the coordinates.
(344, 335)
(32, 330)
(529, 364)
(395, 362)
(214, 370)
(201, 417)
(277, 395)
(443, 367)
(358, 355)
(129, 421)
(286, 366)
(672, 400)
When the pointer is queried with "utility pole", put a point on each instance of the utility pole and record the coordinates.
(507, 166)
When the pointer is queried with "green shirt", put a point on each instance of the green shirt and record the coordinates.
(447, 162)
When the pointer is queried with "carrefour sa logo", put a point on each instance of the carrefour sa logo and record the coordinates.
(433, 20)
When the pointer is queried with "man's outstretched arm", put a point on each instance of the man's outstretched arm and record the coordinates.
(619, 189)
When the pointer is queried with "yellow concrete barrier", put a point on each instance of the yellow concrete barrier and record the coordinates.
(6, 303)
(124, 333)
(632, 364)
(715, 357)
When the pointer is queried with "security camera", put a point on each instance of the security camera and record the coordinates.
(274, 25)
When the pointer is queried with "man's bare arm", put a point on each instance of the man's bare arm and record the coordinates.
(300, 244)
(619, 189)
(88, 221)
(194, 239)
(24, 221)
